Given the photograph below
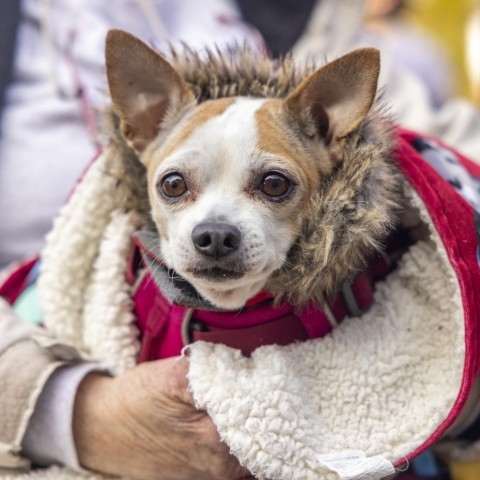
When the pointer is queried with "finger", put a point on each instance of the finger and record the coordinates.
(180, 384)
(170, 375)
(241, 473)
(235, 471)
(226, 466)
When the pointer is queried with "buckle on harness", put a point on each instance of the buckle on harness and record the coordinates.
(352, 305)
(190, 325)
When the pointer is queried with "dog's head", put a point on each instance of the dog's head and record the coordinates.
(229, 179)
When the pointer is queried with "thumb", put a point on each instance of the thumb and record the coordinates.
(172, 372)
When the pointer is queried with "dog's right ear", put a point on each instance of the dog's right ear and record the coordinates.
(143, 87)
(333, 101)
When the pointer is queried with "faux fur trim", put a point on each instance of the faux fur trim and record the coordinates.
(238, 72)
(348, 218)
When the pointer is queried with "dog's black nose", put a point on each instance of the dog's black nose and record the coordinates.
(216, 239)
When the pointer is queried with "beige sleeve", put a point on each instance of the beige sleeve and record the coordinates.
(28, 356)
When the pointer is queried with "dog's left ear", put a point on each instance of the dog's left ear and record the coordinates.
(143, 87)
(334, 100)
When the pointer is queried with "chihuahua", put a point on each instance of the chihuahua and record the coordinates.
(230, 179)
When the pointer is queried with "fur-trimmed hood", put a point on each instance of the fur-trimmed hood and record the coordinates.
(350, 215)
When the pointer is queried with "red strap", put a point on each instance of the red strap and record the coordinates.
(282, 331)
(311, 322)
(144, 249)
(362, 289)
(259, 298)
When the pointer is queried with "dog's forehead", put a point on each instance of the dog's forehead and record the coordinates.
(236, 126)
(222, 128)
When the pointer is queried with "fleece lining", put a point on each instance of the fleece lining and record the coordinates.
(381, 383)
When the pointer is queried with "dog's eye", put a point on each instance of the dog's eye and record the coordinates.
(275, 185)
(174, 185)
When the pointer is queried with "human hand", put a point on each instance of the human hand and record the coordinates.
(143, 424)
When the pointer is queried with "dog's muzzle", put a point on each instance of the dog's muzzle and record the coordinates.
(216, 240)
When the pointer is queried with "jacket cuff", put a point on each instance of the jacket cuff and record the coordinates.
(49, 436)
(21, 388)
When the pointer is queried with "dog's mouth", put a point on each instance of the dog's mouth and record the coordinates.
(216, 274)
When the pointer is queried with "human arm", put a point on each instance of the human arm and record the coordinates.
(143, 424)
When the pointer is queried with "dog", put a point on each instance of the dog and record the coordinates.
(230, 179)
(255, 177)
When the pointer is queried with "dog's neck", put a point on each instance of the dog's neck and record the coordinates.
(175, 288)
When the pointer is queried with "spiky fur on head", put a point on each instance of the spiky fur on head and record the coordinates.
(348, 217)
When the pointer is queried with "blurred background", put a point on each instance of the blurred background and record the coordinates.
(455, 26)
(52, 85)
(423, 32)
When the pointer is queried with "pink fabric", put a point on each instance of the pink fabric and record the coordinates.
(281, 331)
(159, 321)
(15, 282)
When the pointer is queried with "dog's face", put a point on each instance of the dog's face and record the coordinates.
(230, 178)
(227, 199)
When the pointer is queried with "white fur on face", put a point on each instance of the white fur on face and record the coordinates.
(223, 169)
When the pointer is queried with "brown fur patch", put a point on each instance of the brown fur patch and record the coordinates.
(200, 115)
(275, 137)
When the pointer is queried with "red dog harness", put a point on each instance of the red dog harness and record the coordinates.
(167, 327)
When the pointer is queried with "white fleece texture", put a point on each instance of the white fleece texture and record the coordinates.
(85, 295)
(381, 383)
(108, 318)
